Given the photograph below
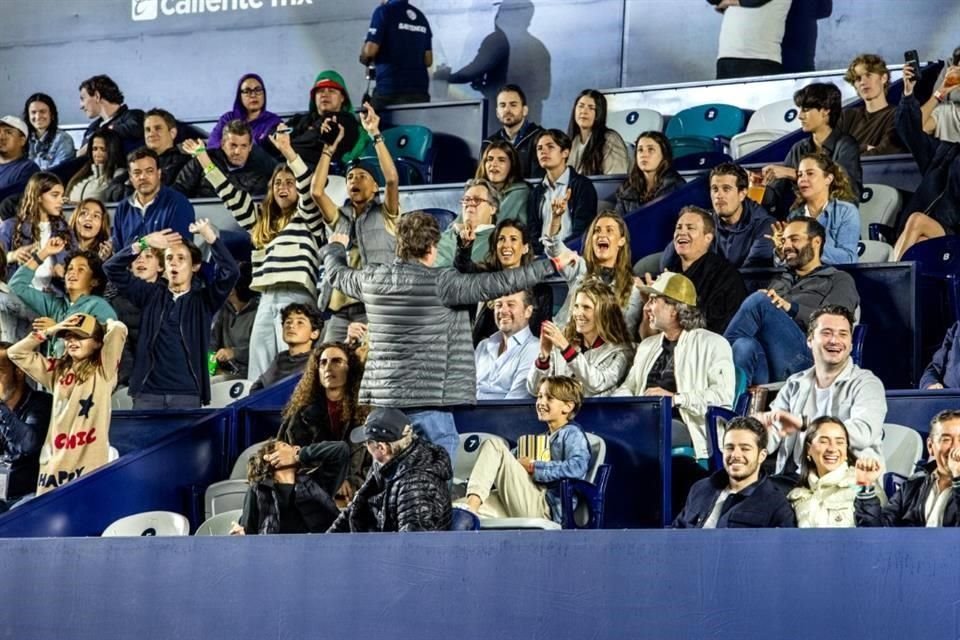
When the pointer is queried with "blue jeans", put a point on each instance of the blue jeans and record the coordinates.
(266, 336)
(437, 427)
(767, 343)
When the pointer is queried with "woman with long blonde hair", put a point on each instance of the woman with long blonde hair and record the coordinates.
(286, 231)
(594, 348)
(606, 256)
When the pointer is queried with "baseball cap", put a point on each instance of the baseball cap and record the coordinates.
(365, 165)
(675, 286)
(16, 123)
(383, 424)
(85, 328)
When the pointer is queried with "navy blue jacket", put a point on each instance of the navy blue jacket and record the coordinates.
(154, 300)
(945, 366)
(22, 431)
(759, 505)
(744, 244)
(907, 506)
(169, 210)
(582, 206)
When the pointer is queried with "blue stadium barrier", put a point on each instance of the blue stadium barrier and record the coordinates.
(889, 306)
(636, 430)
(915, 408)
(729, 583)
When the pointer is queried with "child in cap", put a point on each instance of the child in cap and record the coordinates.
(82, 382)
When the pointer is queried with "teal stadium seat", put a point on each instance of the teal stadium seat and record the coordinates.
(704, 128)
(411, 147)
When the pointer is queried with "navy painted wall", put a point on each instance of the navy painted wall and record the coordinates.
(743, 584)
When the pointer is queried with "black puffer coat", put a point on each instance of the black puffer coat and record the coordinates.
(409, 493)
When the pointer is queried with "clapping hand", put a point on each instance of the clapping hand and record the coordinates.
(554, 336)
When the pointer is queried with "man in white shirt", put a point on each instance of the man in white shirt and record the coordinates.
(504, 359)
(751, 35)
(834, 386)
(930, 498)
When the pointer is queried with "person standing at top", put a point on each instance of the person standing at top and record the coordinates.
(399, 44)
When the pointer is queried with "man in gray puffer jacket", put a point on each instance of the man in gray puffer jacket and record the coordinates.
(421, 352)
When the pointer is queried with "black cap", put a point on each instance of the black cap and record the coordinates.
(383, 424)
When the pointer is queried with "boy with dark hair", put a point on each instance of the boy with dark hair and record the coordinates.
(527, 488)
(170, 370)
(564, 202)
(102, 100)
(302, 326)
(738, 495)
(820, 107)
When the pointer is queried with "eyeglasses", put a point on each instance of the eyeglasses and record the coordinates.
(254, 91)
(470, 200)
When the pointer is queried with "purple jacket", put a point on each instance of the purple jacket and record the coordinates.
(266, 122)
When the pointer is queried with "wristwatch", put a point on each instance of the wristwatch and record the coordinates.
(938, 96)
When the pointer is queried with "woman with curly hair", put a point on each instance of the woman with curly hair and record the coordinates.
(594, 348)
(824, 194)
(317, 421)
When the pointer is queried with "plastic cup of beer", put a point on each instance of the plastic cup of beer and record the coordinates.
(755, 192)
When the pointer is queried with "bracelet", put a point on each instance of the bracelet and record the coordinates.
(327, 153)
(938, 96)
(210, 167)
(36, 256)
(378, 138)
(142, 243)
(198, 151)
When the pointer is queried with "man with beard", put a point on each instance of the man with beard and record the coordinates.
(833, 386)
(504, 359)
(738, 495)
(512, 113)
(768, 333)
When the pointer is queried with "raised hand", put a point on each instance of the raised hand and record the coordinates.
(197, 149)
(43, 323)
(163, 239)
(326, 126)
(868, 471)
(909, 80)
(281, 140)
(370, 120)
(206, 230)
(467, 234)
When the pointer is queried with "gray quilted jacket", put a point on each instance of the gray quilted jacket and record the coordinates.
(421, 351)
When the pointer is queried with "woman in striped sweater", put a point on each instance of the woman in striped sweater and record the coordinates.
(286, 230)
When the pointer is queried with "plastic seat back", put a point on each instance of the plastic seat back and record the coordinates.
(227, 392)
(149, 523)
(239, 471)
(463, 520)
(336, 189)
(444, 217)
(468, 452)
(220, 524)
(902, 448)
(226, 495)
(707, 121)
(879, 203)
(776, 116)
(121, 399)
(630, 123)
(873, 251)
(937, 257)
(598, 454)
(749, 141)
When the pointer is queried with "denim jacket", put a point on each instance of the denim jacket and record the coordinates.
(570, 457)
